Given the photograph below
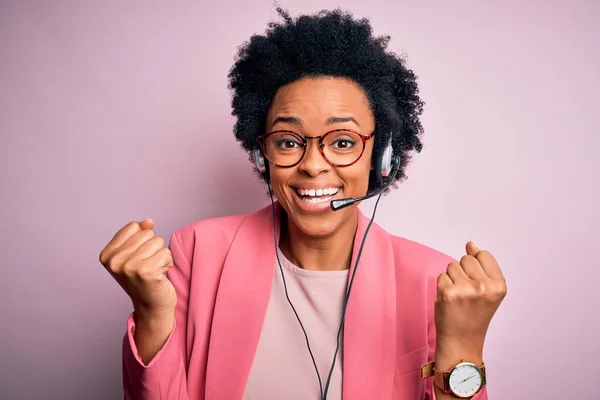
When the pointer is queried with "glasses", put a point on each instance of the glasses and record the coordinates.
(340, 147)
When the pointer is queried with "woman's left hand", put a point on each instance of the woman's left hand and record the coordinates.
(468, 295)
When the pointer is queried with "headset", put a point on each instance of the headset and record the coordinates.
(386, 167)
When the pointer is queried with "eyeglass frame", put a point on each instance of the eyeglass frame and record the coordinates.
(261, 141)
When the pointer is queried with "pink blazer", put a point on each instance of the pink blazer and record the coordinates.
(223, 273)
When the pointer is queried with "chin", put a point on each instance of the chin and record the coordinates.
(317, 228)
(320, 225)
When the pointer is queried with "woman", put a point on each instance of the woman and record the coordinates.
(307, 299)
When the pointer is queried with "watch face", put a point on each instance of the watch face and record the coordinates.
(465, 380)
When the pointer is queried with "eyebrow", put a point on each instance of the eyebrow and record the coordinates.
(288, 120)
(330, 120)
(338, 120)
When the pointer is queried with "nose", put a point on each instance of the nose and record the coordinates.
(313, 163)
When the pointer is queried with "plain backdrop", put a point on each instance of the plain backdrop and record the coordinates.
(114, 111)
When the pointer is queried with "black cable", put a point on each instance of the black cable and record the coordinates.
(345, 305)
(287, 295)
(360, 249)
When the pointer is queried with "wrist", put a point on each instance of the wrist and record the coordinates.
(152, 329)
(154, 320)
(449, 353)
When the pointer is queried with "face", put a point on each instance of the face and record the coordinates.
(313, 107)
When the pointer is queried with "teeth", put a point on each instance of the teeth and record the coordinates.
(315, 200)
(318, 192)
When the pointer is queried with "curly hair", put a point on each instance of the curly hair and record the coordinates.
(327, 44)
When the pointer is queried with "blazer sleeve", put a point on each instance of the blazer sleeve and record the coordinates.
(165, 376)
(430, 385)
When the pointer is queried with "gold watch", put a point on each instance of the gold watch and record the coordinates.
(464, 381)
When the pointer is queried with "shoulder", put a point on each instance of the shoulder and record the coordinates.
(214, 233)
(210, 228)
(417, 258)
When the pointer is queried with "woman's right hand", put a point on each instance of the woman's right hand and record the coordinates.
(137, 259)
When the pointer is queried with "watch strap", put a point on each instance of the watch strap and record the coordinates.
(427, 370)
(442, 380)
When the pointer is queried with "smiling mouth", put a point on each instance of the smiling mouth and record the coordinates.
(316, 196)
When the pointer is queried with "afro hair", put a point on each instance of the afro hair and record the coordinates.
(327, 44)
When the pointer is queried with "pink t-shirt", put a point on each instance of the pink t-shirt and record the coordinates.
(282, 368)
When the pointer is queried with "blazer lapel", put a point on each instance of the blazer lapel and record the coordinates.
(241, 304)
(370, 325)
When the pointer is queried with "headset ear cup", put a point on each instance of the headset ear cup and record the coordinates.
(383, 163)
(377, 175)
(259, 161)
(386, 165)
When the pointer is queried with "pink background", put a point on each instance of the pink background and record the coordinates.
(111, 112)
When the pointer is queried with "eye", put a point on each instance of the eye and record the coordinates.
(288, 143)
(343, 143)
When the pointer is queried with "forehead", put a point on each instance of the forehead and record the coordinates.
(315, 100)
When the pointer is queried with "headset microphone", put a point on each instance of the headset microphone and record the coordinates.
(343, 203)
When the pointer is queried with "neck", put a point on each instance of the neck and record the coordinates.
(327, 253)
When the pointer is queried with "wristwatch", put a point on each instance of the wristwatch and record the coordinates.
(464, 381)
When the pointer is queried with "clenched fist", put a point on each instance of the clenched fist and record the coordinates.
(468, 295)
(138, 259)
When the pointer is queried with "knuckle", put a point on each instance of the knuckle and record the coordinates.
(478, 289)
(449, 294)
(166, 257)
(440, 278)
(102, 257)
(499, 286)
(113, 265)
(484, 253)
(148, 234)
(159, 240)
(144, 274)
(133, 226)
(453, 266)
(499, 290)
(131, 268)
(467, 259)
(158, 257)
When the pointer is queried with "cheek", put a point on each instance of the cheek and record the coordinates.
(278, 179)
(358, 176)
